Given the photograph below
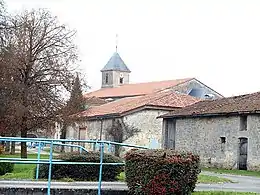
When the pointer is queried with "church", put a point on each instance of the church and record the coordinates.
(135, 105)
(116, 84)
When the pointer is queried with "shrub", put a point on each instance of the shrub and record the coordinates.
(6, 167)
(157, 171)
(83, 172)
(2, 149)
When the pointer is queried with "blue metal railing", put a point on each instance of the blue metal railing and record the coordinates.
(61, 142)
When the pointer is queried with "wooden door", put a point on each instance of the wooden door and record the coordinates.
(242, 160)
(170, 133)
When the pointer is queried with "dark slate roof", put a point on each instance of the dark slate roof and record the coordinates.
(116, 63)
(243, 104)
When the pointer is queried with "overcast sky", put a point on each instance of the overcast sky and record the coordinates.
(216, 41)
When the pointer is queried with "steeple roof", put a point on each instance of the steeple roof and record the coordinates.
(116, 63)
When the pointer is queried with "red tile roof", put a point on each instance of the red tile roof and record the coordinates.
(167, 99)
(136, 89)
(249, 103)
(94, 101)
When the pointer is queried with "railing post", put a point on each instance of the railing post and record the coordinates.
(100, 168)
(38, 160)
(50, 166)
(95, 145)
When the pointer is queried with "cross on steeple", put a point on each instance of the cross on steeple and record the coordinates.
(116, 41)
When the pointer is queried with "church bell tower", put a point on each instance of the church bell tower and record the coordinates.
(115, 73)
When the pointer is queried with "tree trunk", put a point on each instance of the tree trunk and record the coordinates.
(7, 147)
(12, 147)
(13, 144)
(117, 150)
(63, 136)
(23, 144)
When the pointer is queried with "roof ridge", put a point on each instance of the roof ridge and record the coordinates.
(136, 89)
(185, 80)
(248, 103)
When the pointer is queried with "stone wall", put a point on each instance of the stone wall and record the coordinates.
(93, 130)
(253, 135)
(203, 136)
(145, 120)
(40, 191)
(151, 128)
(113, 78)
(110, 79)
(116, 78)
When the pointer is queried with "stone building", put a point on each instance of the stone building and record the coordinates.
(224, 132)
(136, 104)
(139, 112)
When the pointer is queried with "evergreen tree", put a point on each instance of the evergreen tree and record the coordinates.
(76, 101)
(74, 105)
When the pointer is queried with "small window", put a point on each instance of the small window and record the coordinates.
(106, 78)
(243, 123)
(223, 142)
(121, 80)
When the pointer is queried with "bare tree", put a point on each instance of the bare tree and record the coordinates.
(4, 80)
(120, 132)
(40, 69)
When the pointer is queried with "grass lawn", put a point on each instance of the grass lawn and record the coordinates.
(202, 179)
(212, 179)
(233, 172)
(223, 193)
(33, 156)
(22, 171)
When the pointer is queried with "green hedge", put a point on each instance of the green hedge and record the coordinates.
(158, 171)
(83, 172)
(6, 167)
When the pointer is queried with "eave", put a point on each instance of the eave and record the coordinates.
(257, 112)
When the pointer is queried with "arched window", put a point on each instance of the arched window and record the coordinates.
(106, 78)
(121, 80)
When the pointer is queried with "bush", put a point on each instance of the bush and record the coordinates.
(6, 167)
(2, 149)
(157, 171)
(83, 172)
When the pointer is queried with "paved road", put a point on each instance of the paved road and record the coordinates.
(241, 183)
(244, 184)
